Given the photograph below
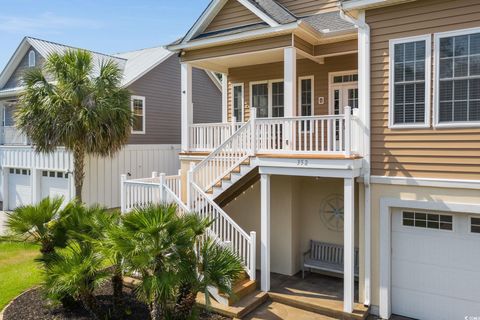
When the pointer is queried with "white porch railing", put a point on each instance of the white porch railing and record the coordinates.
(160, 189)
(11, 135)
(225, 229)
(329, 134)
(208, 136)
(230, 154)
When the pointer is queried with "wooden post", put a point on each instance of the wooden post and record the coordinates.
(253, 116)
(224, 97)
(349, 245)
(187, 105)
(253, 255)
(189, 186)
(265, 231)
(123, 198)
(347, 113)
(162, 188)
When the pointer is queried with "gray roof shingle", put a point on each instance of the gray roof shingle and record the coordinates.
(274, 10)
(328, 22)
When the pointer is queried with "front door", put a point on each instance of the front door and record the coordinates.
(343, 92)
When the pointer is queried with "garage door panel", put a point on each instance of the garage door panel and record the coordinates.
(432, 279)
(54, 184)
(435, 273)
(19, 188)
(416, 304)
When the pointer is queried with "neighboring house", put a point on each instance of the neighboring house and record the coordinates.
(387, 195)
(153, 77)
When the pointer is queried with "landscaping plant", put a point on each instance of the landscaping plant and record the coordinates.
(39, 224)
(69, 103)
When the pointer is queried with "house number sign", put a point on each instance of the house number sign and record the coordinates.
(302, 163)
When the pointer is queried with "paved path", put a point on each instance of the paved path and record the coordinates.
(3, 218)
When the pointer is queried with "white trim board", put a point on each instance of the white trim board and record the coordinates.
(386, 204)
(427, 182)
(144, 113)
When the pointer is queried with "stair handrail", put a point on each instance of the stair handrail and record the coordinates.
(224, 227)
(218, 169)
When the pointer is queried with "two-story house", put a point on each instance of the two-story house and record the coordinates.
(349, 146)
(152, 76)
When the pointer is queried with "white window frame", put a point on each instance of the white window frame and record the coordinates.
(299, 94)
(142, 98)
(429, 212)
(242, 85)
(31, 59)
(436, 87)
(270, 95)
(470, 225)
(428, 79)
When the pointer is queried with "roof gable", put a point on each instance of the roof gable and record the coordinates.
(233, 14)
(266, 10)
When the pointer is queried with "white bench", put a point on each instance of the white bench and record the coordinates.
(326, 257)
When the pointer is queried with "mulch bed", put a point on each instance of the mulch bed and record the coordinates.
(32, 305)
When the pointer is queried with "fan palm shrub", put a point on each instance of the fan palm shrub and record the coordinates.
(75, 272)
(162, 247)
(69, 103)
(39, 224)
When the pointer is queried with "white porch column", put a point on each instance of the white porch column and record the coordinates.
(187, 104)
(225, 98)
(265, 231)
(349, 244)
(290, 81)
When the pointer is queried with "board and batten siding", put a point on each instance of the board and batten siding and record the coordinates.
(427, 153)
(102, 175)
(302, 8)
(161, 89)
(274, 71)
(16, 77)
(233, 14)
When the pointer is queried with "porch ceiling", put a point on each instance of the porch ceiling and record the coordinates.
(222, 64)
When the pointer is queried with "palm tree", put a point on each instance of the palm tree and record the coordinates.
(66, 103)
(39, 224)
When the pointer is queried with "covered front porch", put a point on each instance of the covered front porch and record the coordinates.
(297, 103)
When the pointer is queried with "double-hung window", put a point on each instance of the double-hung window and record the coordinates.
(268, 98)
(457, 82)
(138, 110)
(410, 82)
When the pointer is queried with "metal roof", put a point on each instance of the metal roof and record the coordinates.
(45, 48)
(140, 62)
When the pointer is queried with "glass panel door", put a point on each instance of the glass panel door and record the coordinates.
(260, 99)
(238, 102)
(277, 99)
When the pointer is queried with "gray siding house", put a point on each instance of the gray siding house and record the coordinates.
(153, 77)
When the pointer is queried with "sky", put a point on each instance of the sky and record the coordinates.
(107, 26)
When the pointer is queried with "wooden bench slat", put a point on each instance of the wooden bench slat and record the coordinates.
(325, 256)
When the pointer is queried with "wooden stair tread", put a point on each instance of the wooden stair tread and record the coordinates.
(240, 309)
(328, 307)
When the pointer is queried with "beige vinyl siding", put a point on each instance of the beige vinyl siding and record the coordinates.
(232, 15)
(238, 48)
(336, 47)
(303, 8)
(303, 45)
(305, 67)
(429, 153)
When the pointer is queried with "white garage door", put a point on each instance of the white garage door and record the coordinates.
(435, 265)
(54, 184)
(19, 188)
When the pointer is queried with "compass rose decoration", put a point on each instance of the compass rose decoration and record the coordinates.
(331, 212)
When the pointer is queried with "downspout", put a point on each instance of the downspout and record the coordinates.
(364, 99)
